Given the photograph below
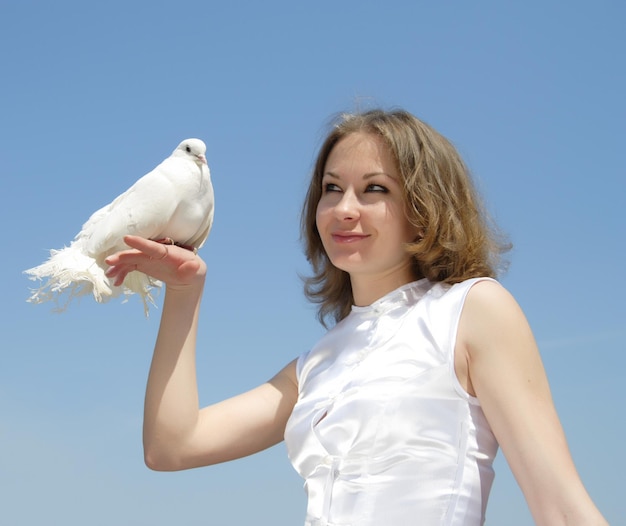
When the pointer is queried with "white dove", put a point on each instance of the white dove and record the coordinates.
(172, 203)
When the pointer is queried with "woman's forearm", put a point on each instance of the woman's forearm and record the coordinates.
(171, 404)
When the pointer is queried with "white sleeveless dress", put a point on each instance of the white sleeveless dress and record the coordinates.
(382, 432)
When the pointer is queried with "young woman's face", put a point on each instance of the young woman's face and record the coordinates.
(360, 216)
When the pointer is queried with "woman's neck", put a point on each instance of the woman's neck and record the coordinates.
(367, 289)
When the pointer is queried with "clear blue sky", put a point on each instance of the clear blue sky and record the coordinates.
(95, 94)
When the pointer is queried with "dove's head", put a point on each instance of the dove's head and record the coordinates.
(194, 149)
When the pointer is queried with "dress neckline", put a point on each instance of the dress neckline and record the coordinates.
(406, 294)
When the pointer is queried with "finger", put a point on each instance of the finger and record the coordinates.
(118, 274)
(150, 248)
(119, 267)
(119, 279)
(138, 243)
(119, 257)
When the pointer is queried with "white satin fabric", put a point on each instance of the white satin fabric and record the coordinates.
(382, 431)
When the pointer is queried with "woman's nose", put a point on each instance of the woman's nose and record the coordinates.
(348, 206)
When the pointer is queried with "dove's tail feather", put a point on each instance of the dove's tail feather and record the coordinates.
(140, 283)
(71, 273)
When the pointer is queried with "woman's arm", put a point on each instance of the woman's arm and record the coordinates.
(177, 433)
(496, 348)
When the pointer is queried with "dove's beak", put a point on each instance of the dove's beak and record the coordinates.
(201, 158)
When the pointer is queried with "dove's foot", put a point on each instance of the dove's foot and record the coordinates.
(170, 241)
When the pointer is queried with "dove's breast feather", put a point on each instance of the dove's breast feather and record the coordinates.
(192, 219)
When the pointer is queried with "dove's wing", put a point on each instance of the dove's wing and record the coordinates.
(143, 210)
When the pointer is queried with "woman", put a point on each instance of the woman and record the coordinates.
(395, 416)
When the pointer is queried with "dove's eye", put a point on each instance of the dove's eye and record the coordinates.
(187, 149)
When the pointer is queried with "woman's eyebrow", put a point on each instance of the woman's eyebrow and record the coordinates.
(368, 175)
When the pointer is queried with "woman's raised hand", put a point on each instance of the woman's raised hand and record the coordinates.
(175, 266)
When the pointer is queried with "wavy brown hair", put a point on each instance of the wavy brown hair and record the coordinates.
(459, 241)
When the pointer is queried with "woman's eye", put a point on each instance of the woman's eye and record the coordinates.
(377, 188)
(330, 187)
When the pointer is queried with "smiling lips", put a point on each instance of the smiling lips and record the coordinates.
(347, 237)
